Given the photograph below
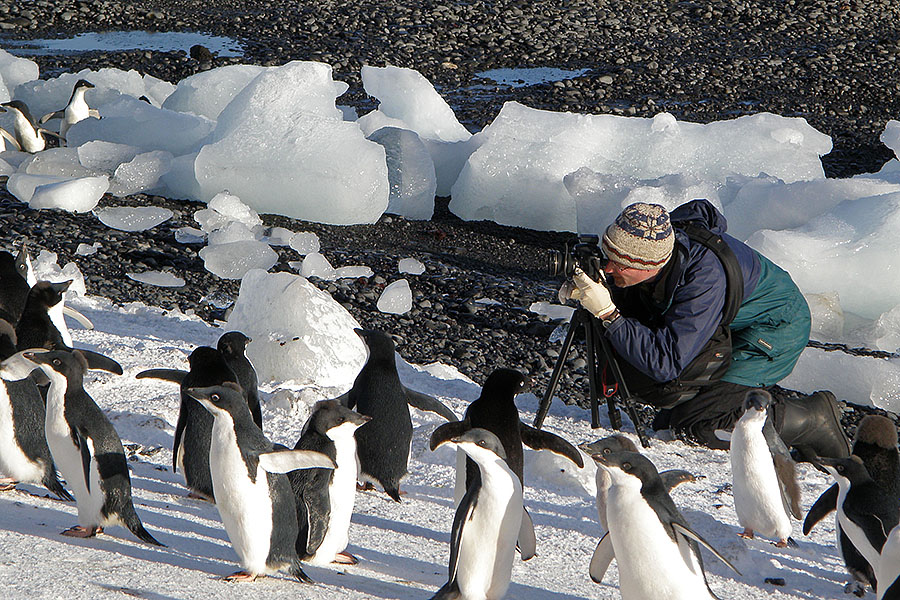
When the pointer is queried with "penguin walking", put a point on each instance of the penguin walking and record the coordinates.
(27, 136)
(866, 511)
(190, 447)
(875, 443)
(232, 346)
(486, 524)
(383, 443)
(24, 454)
(86, 448)
(325, 497)
(76, 110)
(495, 410)
(766, 493)
(603, 553)
(645, 528)
(888, 570)
(253, 494)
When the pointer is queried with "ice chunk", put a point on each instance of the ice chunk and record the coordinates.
(231, 207)
(47, 269)
(61, 162)
(299, 332)
(887, 330)
(305, 242)
(410, 173)
(45, 96)
(6, 169)
(157, 90)
(86, 250)
(180, 181)
(278, 236)
(411, 266)
(554, 311)
(157, 278)
(449, 158)
(316, 265)
(827, 316)
(21, 185)
(140, 174)
(516, 175)
(15, 71)
(282, 147)
(189, 235)
(208, 92)
(890, 137)
(353, 272)
(105, 156)
(407, 96)
(396, 298)
(133, 218)
(233, 231)
(232, 261)
(74, 195)
(130, 121)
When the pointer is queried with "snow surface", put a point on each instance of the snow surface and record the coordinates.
(403, 548)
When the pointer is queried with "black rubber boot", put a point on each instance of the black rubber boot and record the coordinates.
(812, 425)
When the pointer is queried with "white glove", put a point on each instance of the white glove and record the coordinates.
(565, 292)
(593, 296)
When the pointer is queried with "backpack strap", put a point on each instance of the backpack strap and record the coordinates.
(734, 277)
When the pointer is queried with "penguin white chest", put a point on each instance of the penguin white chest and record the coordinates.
(341, 497)
(31, 140)
(244, 505)
(640, 540)
(76, 111)
(603, 482)
(488, 541)
(757, 493)
(13, 462)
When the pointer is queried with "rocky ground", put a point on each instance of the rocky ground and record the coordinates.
(833, 62)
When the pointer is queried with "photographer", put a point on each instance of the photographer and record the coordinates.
(662, 307)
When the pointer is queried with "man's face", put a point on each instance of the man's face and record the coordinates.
(624, 276)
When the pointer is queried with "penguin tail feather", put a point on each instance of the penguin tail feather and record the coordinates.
(134, 525)
(393, 491)
(51, 482)
(449, 591)
(298, 572)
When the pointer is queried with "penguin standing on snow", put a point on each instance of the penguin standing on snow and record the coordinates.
(324, 496)
(486, 524)
(253, 494)
(76, 110)
(27, 137)
(875, 443)
(232, 346)
(646, 529)
(766, 493)
(24, 454)
(495, 410)
(383, 443)
(86, 448)
(603, 554)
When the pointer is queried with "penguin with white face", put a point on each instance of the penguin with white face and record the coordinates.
(486, 524)
(76, 110)
(645, 528)
(27, 136)
(603, 554)
(325, 497)
(253, 494)
(766, 493)
(86, 448)
(24, 454)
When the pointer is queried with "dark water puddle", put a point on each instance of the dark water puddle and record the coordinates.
(116, 41)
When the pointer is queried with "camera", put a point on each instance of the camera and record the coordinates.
(585, 253)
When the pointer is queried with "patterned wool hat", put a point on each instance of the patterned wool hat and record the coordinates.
(641, 237)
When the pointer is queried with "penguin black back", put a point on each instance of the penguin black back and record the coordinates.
(35, 329)
(13, 287)
(233, 345)
(495, 410)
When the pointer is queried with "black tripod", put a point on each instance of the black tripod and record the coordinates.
(594, 341)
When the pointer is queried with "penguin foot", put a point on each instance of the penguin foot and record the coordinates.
(7, 484)
(82, 532)
(856, 588)
(781, 544)
(240, 576)
(198, 496)
(365, 487)
(345, 558)
(747, 534)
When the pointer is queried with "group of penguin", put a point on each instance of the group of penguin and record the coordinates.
(28, 135)
(281, 507)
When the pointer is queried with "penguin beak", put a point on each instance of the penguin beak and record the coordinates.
(823, 464)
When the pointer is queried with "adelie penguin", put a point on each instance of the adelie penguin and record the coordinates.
(604, 554)
(766, 494)
(657, 552)
(383, 443)
(27, 136)
(86, 448)
(24, 454)
(76, 110)
(233, 345)
(495, 410)
(13, 288)
(324, 496)
(888, 568)
(875, 443)
(253, 494)
(190, 448)
(486, 524)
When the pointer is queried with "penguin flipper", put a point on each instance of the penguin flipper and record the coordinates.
(50, 133)
(691, 534)
(462, 516)
(82, 320)
(447, 431)
(823, 505)
(284, 461)
(539, 439)
(874, 526)
(51, 482)
(93, 112)
(527, 542)
(11, 139)
(723, 435)
(82, 442)
(58, 114)
(785, 470)
(449, 591)
(298, 573)
(429, 403)
(133, 523)
(604, 553)
(173, 375)
(675, 477)
(95, 360)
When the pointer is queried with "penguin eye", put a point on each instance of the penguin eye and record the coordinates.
(607, 450)
(626, 466)
(482, 443)
(56, 362)
(214, 398)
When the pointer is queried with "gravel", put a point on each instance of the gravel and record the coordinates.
(830, 61)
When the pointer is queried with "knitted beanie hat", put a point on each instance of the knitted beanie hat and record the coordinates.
(641, 237)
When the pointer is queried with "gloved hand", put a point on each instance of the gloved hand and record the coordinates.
(593, 296)
(565, 292)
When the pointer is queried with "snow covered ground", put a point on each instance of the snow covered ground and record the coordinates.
(403, 548)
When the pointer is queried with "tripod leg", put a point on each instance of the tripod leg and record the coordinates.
(544, 406)
(589, 339)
